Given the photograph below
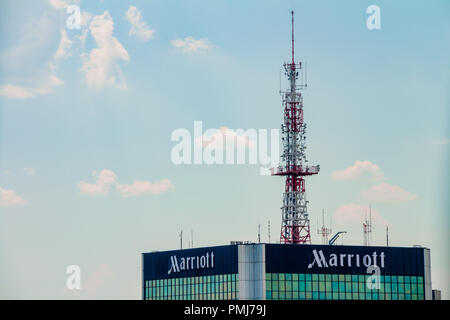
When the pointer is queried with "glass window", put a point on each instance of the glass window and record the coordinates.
(288, 285)
(362, 287)
(281, 276)
(295, 286)
(288, 276)
(302, 286)
(348, 287)
(295, 277)
(321, 286)
(275, 285)
(308, 286)
(268, 276)
(315, 277)
(301, 276)
(335, 286)
(321, 277)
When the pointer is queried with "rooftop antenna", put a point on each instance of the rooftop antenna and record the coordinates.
(268, 227)
(370, 220)
(292, 13)
(323, 231)
(181, 239)
(367, 227)
(192, 238)
(387, 236)
(259, 233)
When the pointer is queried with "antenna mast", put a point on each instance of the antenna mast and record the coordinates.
(367, 228)
(295, 226)
(324, 231)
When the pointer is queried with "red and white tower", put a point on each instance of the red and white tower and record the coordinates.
(295, 219)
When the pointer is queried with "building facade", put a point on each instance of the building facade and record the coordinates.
(288, 272)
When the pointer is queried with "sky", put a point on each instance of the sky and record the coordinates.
(88, 108)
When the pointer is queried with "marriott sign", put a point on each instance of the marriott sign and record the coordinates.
(346, 260)
(191, 263)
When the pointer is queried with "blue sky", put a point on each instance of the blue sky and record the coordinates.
(74, 103)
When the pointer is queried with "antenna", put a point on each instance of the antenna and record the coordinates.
(387, 236)
(268, 227)
(367, 227)
(259, 233)
(323, 231)
(370, 226)
(181, 239)
(292, 12)
(192, 238)
(295, 223)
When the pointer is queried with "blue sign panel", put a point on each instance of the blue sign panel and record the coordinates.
(343, 259)
(190, 262)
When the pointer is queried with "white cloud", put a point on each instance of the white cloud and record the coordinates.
(100, 66)
(357, 170)
(443, 141)
(107, 179)
(61, 4)
(357, 213)
(139, 27)
(387, 193)
(64, 45)
(29, 171)
(28, 61)
(21, 92)
(220, 137)
(139, 188)
(191, 45)
(9, 198)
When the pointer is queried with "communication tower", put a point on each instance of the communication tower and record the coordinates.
(295, 227)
